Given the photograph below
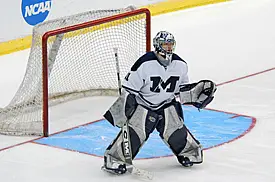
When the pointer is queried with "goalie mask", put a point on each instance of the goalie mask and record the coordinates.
(164, 44)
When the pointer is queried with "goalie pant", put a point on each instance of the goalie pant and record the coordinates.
(168, 121)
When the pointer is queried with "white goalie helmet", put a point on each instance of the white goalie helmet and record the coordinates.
(164, 44)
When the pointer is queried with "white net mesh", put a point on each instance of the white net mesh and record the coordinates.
(81, 63)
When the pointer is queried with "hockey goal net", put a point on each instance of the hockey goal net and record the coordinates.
(73, 57)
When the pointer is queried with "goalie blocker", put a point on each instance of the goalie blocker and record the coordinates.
(168, 120)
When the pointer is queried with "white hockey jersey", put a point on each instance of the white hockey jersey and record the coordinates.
(154, 84)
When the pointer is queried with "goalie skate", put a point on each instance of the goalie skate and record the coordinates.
(120, 169)
(185, 161)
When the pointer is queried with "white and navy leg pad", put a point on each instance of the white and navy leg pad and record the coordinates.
(141, 124)
(178, 138)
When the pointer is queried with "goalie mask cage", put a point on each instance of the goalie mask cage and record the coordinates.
(73, 57)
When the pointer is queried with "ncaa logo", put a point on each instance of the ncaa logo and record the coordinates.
(35, 11)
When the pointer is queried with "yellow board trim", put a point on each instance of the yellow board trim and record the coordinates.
(15, 45)
(175, 5)
(100, 27)
(155, 9)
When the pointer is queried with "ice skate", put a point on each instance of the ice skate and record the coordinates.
(113, 166)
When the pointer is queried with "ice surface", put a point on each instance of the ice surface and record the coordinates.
(220, 42)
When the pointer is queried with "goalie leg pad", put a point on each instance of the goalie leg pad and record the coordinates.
(126, 102)
(178, 138)
(141, 125)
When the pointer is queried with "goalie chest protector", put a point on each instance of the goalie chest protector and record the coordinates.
(153, 83)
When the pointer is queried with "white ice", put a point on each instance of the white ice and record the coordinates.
(221, 42)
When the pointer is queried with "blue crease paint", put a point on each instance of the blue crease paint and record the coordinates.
(210, 127)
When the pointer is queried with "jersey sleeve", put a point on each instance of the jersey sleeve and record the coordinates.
(184, 69)
(133, 81)
(185, 77)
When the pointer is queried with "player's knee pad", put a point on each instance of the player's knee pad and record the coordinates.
(122, 109)
(141, 124)
(177, 136)
(170, 123)
(143, 121)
